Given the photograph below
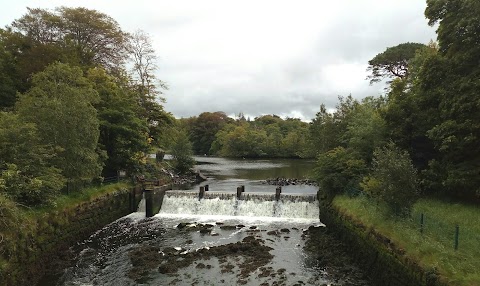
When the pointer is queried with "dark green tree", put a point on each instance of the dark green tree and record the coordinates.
(393, 180)
(60, 103)
(26, 171)
(204, 128)
(182, 153)
(339, 171)
(123, 134)
(393, 62)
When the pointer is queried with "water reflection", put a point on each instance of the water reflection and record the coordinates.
(225, 175)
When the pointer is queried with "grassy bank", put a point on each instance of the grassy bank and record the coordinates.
(65, 201)
(432, 245)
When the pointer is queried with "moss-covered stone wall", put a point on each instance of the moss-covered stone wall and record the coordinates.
(385, 263)
(35, 250)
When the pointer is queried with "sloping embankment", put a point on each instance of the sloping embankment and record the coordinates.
(385, 263)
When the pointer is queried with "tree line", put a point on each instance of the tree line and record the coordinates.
(267, 136)
(71, 110)
(423, 136)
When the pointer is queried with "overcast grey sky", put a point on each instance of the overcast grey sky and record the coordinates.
(260, 57)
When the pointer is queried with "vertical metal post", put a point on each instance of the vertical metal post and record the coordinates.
(278, 191)
(239, 192)
(422, 221)
(457, 232)
(201, 193)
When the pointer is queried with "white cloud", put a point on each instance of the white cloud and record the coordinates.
(260, 57)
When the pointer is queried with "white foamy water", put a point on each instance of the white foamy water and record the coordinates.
(291, 208)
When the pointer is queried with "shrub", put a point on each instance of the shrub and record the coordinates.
(337, 171)
(182, 153)
(393, 180)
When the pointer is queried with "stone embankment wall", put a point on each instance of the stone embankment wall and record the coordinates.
(34, 251)
(384, 262)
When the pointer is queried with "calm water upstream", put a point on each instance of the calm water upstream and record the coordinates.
(218, 240)
(225, 175)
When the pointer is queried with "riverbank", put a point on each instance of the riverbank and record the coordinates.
(421, 248)
(31, 248)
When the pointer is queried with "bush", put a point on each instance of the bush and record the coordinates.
(182, 153)
(337, 171)
(30, 190)
(393, 180)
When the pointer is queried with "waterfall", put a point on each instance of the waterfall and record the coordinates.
(251, 205)
(141, 204)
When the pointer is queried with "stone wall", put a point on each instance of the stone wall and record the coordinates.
(34, 251)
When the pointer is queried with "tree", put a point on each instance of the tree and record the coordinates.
(146, 86)
(90, 37)
(123, 134)
(338, 171)
(8, 79)
(60, 103)
(76, 36)
(366, 129)
(326, 129)
(446, 94)
(393, 62)
(182, 153)
(458, 30)
(26, 172)
(393, 180)
(204, 128)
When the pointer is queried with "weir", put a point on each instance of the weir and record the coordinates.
(252, 205)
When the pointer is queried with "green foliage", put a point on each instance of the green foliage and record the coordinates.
(366, 129)
(339, 171)
(182, 153)
(393, 180)
(81, 36)
(26, 173)
(8, 80)
(60, 103)
(393, 62)
(123, 135)
(29, 190)
(458, 29)
(204, 128)
(266, 136)
(327, 128)
(10, 217)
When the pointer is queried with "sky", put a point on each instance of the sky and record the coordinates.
(260, 57)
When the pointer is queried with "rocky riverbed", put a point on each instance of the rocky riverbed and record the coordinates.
(289, 182)
(250, 260)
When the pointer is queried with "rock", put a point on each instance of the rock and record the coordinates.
(272, 232)
(200, 266)
(181, 225)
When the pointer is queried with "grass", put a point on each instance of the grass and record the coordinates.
(434, 248)
(74, 198)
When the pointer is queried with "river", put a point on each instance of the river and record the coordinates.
(219, 240)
